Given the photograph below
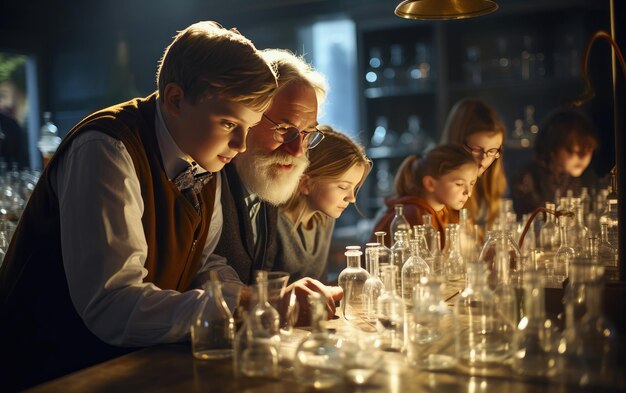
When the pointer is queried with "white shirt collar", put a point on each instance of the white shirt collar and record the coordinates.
(174, 159)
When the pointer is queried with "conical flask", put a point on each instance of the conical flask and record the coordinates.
(213, 328)
(318, 359)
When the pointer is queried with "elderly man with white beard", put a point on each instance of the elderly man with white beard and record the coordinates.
(266, 175)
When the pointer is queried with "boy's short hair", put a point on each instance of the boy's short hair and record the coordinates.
(207, 60)
(292, 68)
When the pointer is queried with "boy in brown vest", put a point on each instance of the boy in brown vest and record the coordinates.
(112, 242)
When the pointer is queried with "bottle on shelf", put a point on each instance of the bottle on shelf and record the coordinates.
(473, 67)
(373, 72)
(393, 74)
(49, 139)
(420, 71)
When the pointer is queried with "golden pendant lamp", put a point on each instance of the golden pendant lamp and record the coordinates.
(444, 9)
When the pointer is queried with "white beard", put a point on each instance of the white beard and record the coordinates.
(259, 174)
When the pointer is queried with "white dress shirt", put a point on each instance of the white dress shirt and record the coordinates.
(104, 246)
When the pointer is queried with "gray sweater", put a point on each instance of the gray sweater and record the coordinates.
(303, 252)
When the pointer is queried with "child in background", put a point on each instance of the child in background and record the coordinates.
(338, 167)
(475, 125)
(441, 181)
(563, 150)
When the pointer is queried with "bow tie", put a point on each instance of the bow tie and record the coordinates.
(190, 184)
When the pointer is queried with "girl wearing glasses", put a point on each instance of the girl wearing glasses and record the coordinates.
(338, 167)
(436, 184)
(563, 149)
(475, 125)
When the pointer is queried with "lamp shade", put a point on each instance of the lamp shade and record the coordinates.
(444, 9)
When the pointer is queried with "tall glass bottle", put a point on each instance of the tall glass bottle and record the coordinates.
(351, 280)
(536, 337)
(49, 139)
(400, 251)
(438, 261)
(399, 223)
(564, 255)
(607, 252)
(373, 287)
(384, 252)
(390, 308)
(419, 235)
(413, 270)
(578, 232)
(213, 328)
(504, 292)
(609, 215)
(261, 355)
(549, 234)
(429, 231)
(455, 264)
(469, 248)
(318, 359)
(485, 338)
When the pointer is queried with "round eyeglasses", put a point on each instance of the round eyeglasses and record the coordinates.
(287, 134)
(479, 152)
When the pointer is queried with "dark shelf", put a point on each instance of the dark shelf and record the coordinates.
(388, 152)
(519, 85)
(393, 91)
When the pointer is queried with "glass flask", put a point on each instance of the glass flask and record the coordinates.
(504, 292)
(437, 260)
(429, 231)
(485, 337)
(260, 357)
(399, 223)
(607, 253)
(577, 231)
(536, 338)
(433, 339)
(588, 346)
(549, 240)
(564, 255)
(469, 248)
(400, 252)
(455, 264)
(360, 356)
(424, 249)
(609, 215)
(413, 270)
(390, 308)
(373, 286)
(318, 359)
(487, 254)
(351, 280)
(213, 328)
(384, 252)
